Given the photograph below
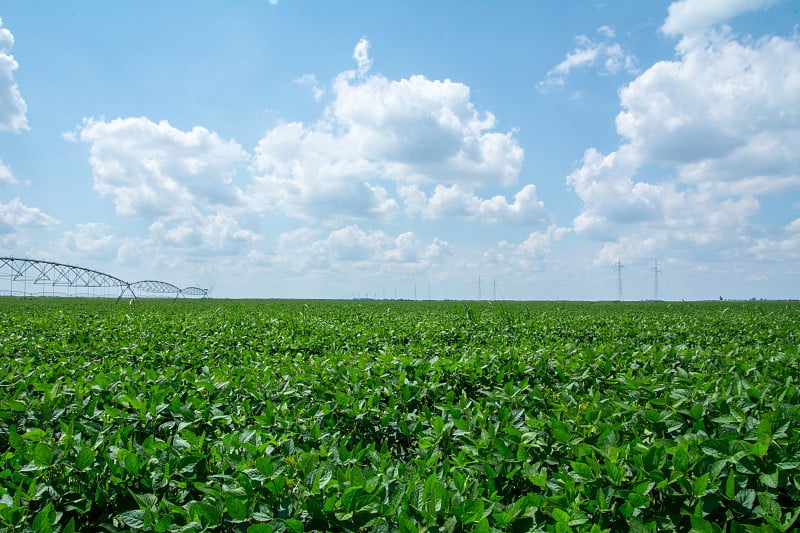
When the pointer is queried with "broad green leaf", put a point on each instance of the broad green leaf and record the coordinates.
(70, 527)
(34, 435)
(42, 454)
(730, 486)
(759, 449)
(561, 431)
(15, 440)
(770, 479)
(636, 525)
(293, 526)
(473, 511)
(680, 460)
(146, 501)
(349, 498)
(653, 458)
(699, 485)
(559, 515)
(204, 513)
(84, 459)
(255, 475)
(133, 519)
(238, 509)
(701, 525)
(132, 464)
(583, 470)
(746, 498)
(482, 526)
(768, 507)
(615, 472)
(461, 424)
(716, 448)
(17, 406)
(45, 519)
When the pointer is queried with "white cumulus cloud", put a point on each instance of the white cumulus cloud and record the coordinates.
(601, 52)
(705, 135)
(6, 177)
(528, 256)
(457, 202)
(696, 16)
(12, 107)
(15, 215)
(151, 168)
(310, 81)
(306, 173)
(90, 239)
(785, 245)
(181, 180)
(361, 55)
(204, 234)
(352, 248)
(378, 134)
(723, 109)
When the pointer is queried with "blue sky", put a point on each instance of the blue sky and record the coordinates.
(387, 149)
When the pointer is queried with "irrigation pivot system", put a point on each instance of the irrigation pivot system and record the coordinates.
(34, 277)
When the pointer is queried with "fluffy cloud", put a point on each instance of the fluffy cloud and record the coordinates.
(600, 52)
(723, 110)
(6, 177)
(784, 246)
(377, 138)
(12, 106)
(706, 135)
(182, 180)
(310, 81)
(527, 256)
(198, 233)
(301, 172)
(605, 185)
(377, 133)
(153, 169)
(91, 239)
(456, 202)
(361, 55)
(15, 215)
(423, 131)
(696, 16)
(353, 248)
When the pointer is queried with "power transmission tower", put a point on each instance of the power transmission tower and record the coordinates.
(494, 289)
(618, 268)
(479, 287)
(656, 272)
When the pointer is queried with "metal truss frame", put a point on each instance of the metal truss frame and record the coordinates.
(49, 273)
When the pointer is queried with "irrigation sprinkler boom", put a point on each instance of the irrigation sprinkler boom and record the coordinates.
(42, 274)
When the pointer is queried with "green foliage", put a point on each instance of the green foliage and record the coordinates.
(398, 416)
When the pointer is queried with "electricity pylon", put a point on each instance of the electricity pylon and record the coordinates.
(618, 268)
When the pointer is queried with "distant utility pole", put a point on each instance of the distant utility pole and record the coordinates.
(618, 268)
(479, 287)
(494, 289)
(656, 272)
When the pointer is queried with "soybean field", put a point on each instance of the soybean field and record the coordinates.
(272, 416)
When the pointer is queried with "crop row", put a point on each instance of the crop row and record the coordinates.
(301, 416)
